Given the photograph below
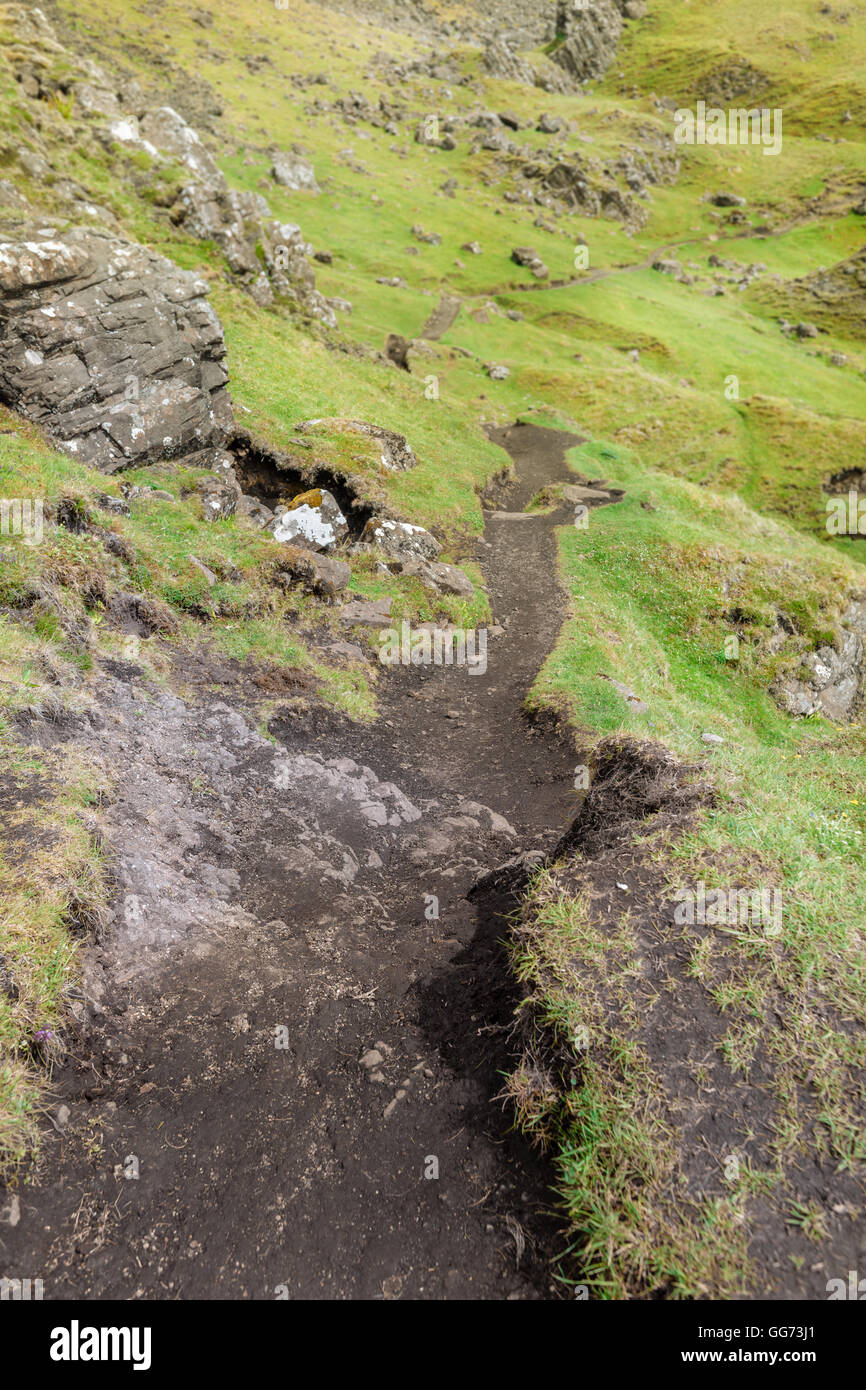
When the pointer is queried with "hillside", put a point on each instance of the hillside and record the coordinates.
(431, 573)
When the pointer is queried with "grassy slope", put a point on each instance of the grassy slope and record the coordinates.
(653, 579)
(653, 597)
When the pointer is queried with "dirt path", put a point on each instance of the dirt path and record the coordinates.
(199, 1159)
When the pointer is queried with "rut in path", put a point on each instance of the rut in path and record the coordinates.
(200, 1160)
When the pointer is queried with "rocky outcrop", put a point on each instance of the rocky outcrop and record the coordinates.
(117, 114)
(834, 296)
(829, 680)
(606, 189)
(591, 38)
(501, 61)
(112, 349)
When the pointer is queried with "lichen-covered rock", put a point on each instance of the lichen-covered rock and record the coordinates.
(400, 538)
(112, 349)
(167, 131)
(313, 520)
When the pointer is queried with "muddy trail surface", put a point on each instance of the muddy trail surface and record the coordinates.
(286, 1076)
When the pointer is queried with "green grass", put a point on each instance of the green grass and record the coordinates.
(657, 596)
(731, 532)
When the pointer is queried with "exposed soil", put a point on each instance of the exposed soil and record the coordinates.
(297, 1170)
(272, 476)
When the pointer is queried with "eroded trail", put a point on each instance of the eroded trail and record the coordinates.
(287, 1087)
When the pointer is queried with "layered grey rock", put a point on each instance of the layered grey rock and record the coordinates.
(592, 36)
(112, 349)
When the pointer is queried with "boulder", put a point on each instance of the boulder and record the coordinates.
(526, 256)
(373, 612)
(667, 265)
(436, 575)
(252, 510)
(312, 520)
(400, 539)
(112, 349)
(320, 574)
(726, 200)
(397, 350)
(294, 172)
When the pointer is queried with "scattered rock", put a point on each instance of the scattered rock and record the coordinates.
(526, 256)
(291, 171)
(374, 612)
